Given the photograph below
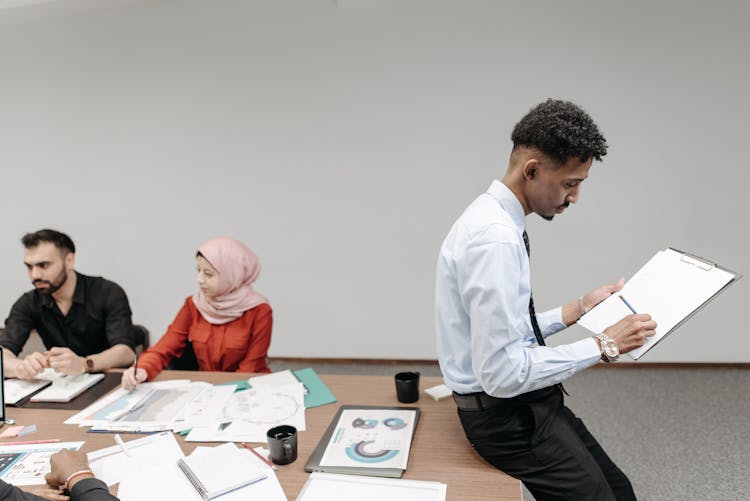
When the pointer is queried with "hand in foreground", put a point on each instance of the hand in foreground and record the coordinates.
(45, 492)
(631, 332)
(131, 379)
(31, 366)
(599, 294)
(64, 464)
(64, 360)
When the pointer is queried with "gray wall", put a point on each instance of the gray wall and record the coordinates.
(340, 141)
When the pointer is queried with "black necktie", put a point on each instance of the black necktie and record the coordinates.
(532, 311)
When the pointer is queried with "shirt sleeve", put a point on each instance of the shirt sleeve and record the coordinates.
(90, 489)
(12, 493)
(170, 346)
(118, 321)
(256, 359)
(18, 325)
(504, 358)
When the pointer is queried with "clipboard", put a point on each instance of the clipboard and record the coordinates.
(672, 287)
(313, 464)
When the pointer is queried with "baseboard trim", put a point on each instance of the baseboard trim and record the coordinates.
(412, 361)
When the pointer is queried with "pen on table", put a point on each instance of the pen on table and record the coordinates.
(627, 304)
(119, 441)
(248, 447)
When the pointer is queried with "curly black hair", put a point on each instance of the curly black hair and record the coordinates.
(61, 240)
(560, 130)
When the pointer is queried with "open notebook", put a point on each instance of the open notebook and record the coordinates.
(219, 470)
(64, 388)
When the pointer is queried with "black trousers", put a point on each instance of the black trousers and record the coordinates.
(536, 439)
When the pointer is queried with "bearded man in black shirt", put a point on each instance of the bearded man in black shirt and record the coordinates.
(84, 322)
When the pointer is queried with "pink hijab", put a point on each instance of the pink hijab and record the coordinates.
(238, 268)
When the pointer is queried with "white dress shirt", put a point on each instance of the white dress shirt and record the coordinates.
(482, 290)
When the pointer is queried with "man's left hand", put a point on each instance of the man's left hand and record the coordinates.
(65, 360)
(45, 492)
(599, 294)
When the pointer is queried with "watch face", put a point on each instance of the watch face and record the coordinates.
(610, 349)
(89, 364)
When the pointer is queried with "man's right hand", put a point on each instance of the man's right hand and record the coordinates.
(31, 366)
(631, 332)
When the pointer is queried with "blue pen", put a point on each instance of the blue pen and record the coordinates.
(627, 304)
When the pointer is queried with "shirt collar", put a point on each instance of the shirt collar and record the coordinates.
(79, 294)
(508, 201)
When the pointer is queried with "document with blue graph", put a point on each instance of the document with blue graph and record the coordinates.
(367, 440)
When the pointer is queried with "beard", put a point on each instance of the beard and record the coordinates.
(52, 286)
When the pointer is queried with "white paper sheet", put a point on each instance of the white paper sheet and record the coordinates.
(112, 464)
(166, 481)
(334, 487)
(669, 287)
(249, 414)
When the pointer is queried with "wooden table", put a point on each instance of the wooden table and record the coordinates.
(440, 451)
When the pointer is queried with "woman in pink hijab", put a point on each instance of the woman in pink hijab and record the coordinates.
(227, 322)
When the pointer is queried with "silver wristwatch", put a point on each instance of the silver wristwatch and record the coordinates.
(610, 351)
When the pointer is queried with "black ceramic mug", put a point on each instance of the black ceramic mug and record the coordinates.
(407, 387)
(282, 444)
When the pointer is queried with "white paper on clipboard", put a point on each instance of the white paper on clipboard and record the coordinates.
(670, 287)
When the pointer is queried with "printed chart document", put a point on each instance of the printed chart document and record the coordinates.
(150, 407)
(329, 486)
(248, 414)
(366, 440)
(28, 464)
(63, 388)
(670, 287)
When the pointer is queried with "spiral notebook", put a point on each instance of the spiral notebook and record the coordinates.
(218, 470)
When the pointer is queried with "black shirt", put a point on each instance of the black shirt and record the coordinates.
(99, 318)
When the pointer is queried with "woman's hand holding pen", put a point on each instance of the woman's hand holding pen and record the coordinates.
(133, 376)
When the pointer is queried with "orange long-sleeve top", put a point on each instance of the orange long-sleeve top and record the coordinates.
(240, 345)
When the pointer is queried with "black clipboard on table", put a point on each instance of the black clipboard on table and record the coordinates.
(313, 464)
(671, 287)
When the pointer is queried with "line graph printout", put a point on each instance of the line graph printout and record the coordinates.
(155, 405)
(248, 414)
(372, 438)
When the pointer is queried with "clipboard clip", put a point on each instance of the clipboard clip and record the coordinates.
(699, 262)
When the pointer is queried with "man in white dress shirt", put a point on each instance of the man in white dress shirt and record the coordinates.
(506, 381)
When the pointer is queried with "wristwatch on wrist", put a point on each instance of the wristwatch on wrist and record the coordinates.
(88, 365)
(610, 351)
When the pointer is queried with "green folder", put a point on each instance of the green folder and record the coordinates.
(317, 392)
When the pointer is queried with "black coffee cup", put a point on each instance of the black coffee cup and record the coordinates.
(282, 444)
(407, 387)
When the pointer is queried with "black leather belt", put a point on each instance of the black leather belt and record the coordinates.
(477, 401)
(481, 401)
